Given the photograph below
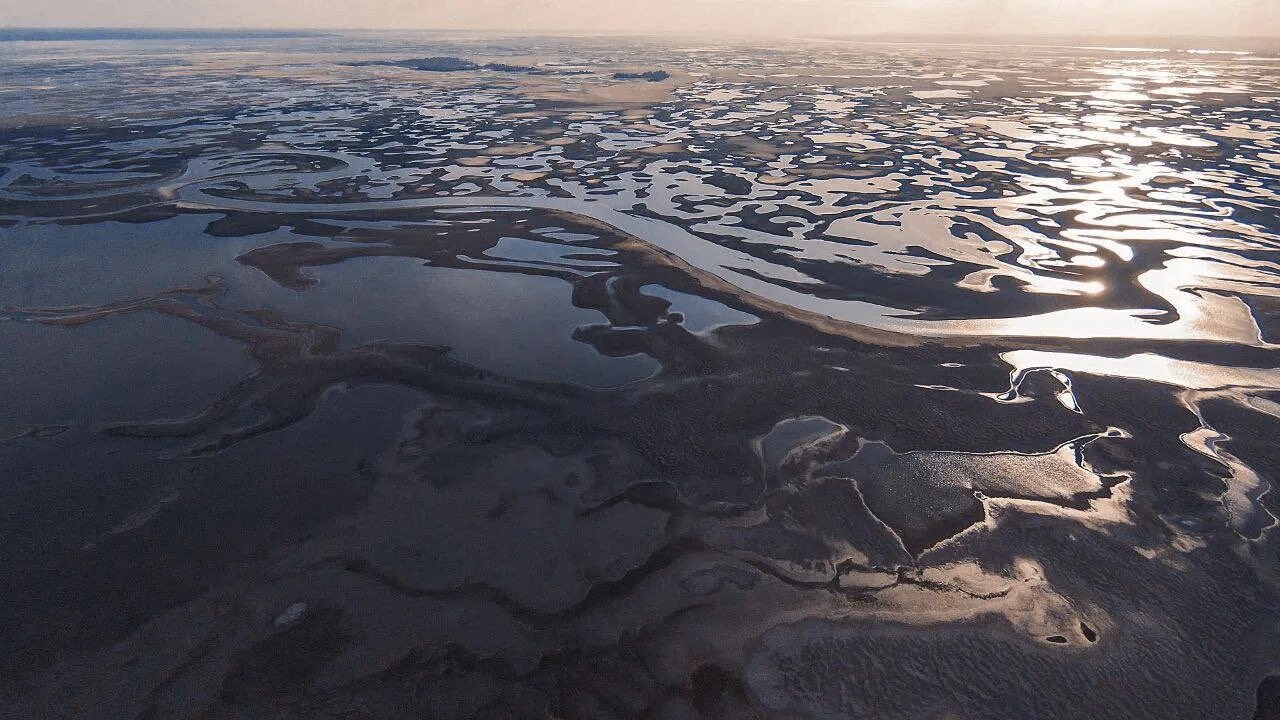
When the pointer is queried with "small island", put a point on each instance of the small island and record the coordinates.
(651, 76)
(445, 63)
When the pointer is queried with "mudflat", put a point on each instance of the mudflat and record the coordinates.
(411, 375)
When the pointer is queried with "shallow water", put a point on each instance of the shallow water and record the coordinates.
(820, 380)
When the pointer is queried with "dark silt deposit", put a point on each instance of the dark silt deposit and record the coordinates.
(845, 381)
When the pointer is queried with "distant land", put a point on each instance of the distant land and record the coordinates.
(1255, 44)
(64, 34)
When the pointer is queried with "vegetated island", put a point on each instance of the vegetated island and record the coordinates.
(651, 76)
(455, 64)
(446, 63)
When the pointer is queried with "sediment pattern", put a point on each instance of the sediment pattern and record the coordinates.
(823, 382)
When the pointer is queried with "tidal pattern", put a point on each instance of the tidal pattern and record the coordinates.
(390, 375)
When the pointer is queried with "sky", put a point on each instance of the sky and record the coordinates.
(714, 17)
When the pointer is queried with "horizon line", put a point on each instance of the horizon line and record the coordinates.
(614, 33)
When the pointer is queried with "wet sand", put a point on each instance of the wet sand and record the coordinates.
(819, 382)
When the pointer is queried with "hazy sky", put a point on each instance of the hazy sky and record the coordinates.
(1194, 17)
